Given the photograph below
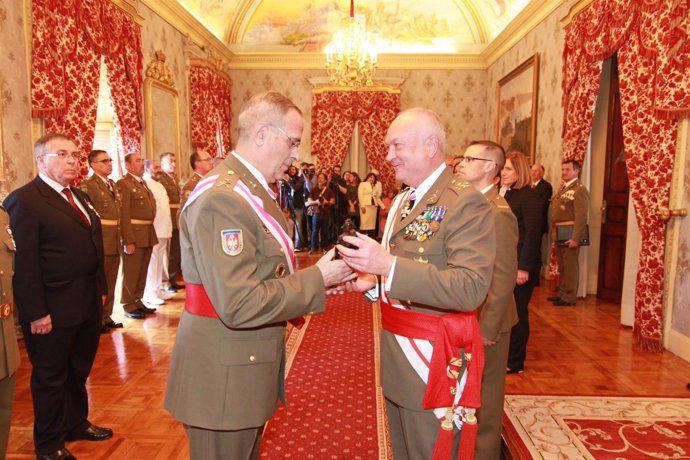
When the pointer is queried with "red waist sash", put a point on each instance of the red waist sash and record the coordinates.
(449, 332)
(198, 303)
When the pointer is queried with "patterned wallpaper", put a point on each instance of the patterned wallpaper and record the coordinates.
(458, 96)
(16, 121)
(157, 34)
(546, 39)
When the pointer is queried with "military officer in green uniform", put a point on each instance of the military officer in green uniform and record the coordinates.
(481, 163)
(138, 235)
(569, 208)
(201, 162)
(168, 179)
(106, 201)
(435, 261)
(9, 352)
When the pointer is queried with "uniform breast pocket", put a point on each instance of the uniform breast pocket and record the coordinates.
(247, 352)
(427, 251)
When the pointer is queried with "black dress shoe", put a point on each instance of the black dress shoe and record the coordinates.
(92, 433)
(136, 314)
(146, 310)
(60, 454)
(553, 299)
(563, 303)
(169, 290)
(516, 370)
(177, 287)
(114, 325)
(105, 329)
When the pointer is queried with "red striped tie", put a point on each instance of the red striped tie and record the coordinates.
(70, 198)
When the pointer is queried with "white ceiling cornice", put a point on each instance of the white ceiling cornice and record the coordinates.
(535, 12)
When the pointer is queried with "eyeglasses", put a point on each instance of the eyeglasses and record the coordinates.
(294, 142)
(107, 160)
(64, 154)
(471, 159)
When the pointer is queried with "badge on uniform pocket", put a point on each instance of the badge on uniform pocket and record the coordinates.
(231, 242)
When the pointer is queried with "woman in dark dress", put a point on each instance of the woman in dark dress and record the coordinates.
(516, 183)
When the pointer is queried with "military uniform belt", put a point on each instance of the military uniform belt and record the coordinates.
(5, 310)
(140, 222)
(110, 222)
(174, 205)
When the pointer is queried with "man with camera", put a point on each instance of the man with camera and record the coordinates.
(295, 183)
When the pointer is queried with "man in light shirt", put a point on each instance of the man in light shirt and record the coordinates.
(162, 224)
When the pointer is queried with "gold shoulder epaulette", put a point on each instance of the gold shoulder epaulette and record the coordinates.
(228, 180)
(459, 184)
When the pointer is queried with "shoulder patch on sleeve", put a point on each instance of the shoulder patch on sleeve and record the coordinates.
(232, 242)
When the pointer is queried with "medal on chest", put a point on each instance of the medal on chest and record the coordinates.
(425, 224)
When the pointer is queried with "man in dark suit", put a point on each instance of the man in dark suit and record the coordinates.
(59, 290)
(435, 259)
(544, 191)
(481, 163)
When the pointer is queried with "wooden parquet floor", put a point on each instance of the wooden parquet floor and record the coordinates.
(579, 350)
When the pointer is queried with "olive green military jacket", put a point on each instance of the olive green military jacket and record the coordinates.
(173, 191)
(498, 314)
(9, 351)
(137, 206)
(226, 373)
(571, 204)
(448, 272)
(107, 205)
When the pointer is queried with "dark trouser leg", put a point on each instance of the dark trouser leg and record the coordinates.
(520, 332)
(300, 229)
(61, 361)
(111, 265)
(174, 257)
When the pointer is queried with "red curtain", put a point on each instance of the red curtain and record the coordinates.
(651, 38)
(69, 38)
(210, 106)
(334, 114)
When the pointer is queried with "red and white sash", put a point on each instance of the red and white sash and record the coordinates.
(417, 351)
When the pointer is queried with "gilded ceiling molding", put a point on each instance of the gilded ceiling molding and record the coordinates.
(182, 20)
(529, 18)
(479, 32)
(129, 7)
(575, 9)
(292, 61)
(238, 24)
(322, 84)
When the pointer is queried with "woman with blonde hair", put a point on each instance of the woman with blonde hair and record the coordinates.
(525, 204)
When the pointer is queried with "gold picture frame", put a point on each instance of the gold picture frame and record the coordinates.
(516, 108)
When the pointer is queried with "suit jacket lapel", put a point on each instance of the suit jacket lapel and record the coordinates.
(54, 199)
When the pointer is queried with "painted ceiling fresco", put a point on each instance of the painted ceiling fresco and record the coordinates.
(396, 26)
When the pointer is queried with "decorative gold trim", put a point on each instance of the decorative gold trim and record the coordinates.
(242, 15)
(534, 14)
(182, 20)
(362, 89)
(533, 62)
(130, 8)
(575, 9)
(3, 177)
(158, 70)
(149, 83)
(477, 20)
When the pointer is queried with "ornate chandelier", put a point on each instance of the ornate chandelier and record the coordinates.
(351, 60)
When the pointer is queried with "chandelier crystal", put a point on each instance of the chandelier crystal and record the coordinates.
(351, 60)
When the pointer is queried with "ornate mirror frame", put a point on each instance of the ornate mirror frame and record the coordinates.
(162, 107)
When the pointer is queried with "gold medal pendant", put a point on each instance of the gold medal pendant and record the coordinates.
(434, 226)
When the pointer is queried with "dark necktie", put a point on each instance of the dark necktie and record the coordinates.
(110, 187)
(70, 198)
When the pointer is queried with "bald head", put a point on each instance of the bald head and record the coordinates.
(537, 172)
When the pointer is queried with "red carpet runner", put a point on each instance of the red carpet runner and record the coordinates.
(335, 408)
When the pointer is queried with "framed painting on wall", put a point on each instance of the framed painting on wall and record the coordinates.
(516, 108)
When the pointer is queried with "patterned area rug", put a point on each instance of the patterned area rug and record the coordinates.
(599, 428)
(335, 406)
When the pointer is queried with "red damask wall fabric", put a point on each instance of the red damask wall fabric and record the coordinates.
(651, 39)
(69, 39)
(210, 95)
(334, 114)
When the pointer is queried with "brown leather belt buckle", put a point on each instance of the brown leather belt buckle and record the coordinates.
(5, 310)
